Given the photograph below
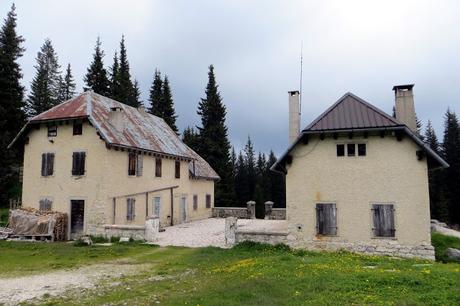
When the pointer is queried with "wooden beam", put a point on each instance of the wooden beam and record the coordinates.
(172, 207)
(149, 191)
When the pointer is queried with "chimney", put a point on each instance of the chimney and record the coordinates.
(404, 106)
(117, 118)
(294, 115)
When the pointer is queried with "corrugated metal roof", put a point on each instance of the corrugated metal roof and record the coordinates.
(142, 130)
(351, 112)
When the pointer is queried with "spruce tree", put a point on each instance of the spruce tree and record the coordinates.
(249, 161)
(12, 114)
(96, 77)
(241, 179)
(169, 114)
(438, 208)
(190, 138)
(214, 143)
(451, 175)
(45, 87)
(115, 78)
(136, 95)
(125, 92)
(67, 90)
(277, 183)
(155, 95)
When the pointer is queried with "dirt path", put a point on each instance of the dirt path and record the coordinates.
(20, 289)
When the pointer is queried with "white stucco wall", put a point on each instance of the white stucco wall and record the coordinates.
(106, 176)
(389, 173)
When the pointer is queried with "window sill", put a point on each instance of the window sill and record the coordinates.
(384, 238)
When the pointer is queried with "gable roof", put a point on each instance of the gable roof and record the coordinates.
(351, 113)
(142, 130)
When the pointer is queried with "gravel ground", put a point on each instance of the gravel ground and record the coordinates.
(21, 289)
(210, 232)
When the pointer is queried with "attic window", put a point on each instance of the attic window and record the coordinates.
(361, 149)
(177, 168)
(135, 164)
(340, 150)
(158, 167)
(351, 149)
(77, 128)
(52, 130)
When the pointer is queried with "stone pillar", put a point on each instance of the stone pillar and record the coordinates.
(152, 228)
(268, 210)
(251, 209)
(230, 231)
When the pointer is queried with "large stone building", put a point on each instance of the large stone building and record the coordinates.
(357, 178)
(105, 163)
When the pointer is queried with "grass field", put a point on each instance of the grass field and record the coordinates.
(249, 274)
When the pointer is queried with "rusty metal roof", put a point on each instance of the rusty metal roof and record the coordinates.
(352, 112)
(142, 130)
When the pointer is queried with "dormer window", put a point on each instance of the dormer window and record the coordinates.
(52, 130)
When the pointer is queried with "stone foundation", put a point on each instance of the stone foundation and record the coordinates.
(262, 237)
(225, 212)
(389, 248)
(149, 232)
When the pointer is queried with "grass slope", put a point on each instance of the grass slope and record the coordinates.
(441, 243)
(249, 274)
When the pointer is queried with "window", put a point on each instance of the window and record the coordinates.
(157, 206)
(177, 169)
(351, 149)
(78, 163)
(340, 150)
(158, 167)
(52, 130)
(47, 164)
(384, 221)
(130, 209)
(77, 128)
(135, 164)
(45, 205)
(326, 219)
(208, 201)
(361, 149)
(195, 202)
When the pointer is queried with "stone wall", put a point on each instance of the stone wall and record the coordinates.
(225, 212)
(382, 247)
(277, 214)
(136, 232)
(262, 237)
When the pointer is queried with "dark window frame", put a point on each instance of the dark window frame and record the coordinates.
(132, 164)
(78, 163)
(340, 150)
(45, 204)
(77, 128)
(52, 130)
(158, 166)
(351, 152)
(325, 226)
(208, 201)
(177, 169)
(362, 149)
(47, 168)
(195, 202)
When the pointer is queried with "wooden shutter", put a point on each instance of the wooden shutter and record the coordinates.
(326, 219)
(195, 202)
(383, 220)
(158, 167)
(130, 209)
(44, 164)
(45, 205)
(132, 164)
(74, 163)
(50, 164)
(78, 163)
(208, 201)
(140, 164)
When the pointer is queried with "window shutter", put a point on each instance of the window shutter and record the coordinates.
(81, 168)
(50, 164)
(74, 163)
(319, 219)
(130, 208)
(43, 164)
(331, 219)
(140, 164)
(383, 216)
(45, 205)
(158, 167)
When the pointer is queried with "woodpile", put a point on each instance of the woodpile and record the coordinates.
(31, 222)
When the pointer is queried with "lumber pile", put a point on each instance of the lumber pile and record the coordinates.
(33, 223)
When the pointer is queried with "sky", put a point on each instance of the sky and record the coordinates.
(364, 47)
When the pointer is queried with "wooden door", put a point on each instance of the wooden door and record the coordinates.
(77, 216)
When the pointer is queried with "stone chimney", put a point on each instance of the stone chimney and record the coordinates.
(117, 118)
(294, 115)
(404, 106)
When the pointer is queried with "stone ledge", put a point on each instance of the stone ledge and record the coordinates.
(262, 233)
(124, 227)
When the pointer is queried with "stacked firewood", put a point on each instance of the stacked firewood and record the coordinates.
(60, 227)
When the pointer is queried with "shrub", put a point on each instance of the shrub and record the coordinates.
(441, 243)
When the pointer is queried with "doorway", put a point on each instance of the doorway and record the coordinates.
(77, 215)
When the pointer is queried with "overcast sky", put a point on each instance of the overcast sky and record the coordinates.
(364, 47)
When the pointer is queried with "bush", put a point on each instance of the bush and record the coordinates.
(441, 243)
(99, 239)
(4, 213)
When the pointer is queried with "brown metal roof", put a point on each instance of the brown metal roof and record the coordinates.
(352, 112)
(142, 130)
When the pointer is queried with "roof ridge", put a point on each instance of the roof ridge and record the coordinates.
(374, 108)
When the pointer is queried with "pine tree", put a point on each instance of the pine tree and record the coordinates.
(45, 87)
(67, 87)
(126, 88)
(451, 175)
(169, 114)
(156, 95)
(277, 183)
(12, 114)
(115, 78)
(96, 77)
(241, 186)
(190, 138)
(438, 208)
(249, 160)
(136, 99)
(214, 143)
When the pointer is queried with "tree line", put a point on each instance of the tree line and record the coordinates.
(50, 86)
